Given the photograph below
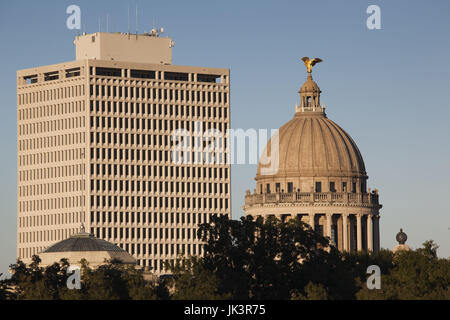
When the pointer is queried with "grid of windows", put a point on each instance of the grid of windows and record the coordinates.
(95, 147)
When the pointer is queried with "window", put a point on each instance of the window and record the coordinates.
(290, 187)
(74, 72)
(49, 76)
(354, 187)
(277, 187)
(207, 78)
(332, 186)
(344, 186)
(318, 186)
(110, 72)
(177, 76)
(143, 74)
(268, 188)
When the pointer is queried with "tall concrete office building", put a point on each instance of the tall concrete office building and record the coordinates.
(94, 147)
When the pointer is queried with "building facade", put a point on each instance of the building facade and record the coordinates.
(320, 177)
(94, 142)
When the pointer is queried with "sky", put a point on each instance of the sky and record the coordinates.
(388, 88)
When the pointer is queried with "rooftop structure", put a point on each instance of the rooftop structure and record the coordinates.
(125, 47)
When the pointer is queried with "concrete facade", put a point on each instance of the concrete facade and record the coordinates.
(94, 147)
(321, 178)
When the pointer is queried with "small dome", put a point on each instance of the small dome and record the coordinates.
(310, 86)
(312, 145)
(85, 246)
(83, 242)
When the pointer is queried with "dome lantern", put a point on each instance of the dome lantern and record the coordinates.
(310, 91)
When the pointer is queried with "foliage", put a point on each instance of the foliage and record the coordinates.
(112, 280)
(257, 259)
(417, 274)
(248, 259)
(312, 291)
(270, 259)
(193, 281)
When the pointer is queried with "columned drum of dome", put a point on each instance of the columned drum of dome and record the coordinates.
(321, 177)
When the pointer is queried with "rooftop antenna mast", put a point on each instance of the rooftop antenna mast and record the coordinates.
(128, 22)
(136, 20)
(107, 22)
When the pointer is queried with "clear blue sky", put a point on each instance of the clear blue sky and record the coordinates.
(388, 88)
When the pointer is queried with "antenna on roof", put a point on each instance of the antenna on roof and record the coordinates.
(107, 22)
(136, 20)
(128, 20)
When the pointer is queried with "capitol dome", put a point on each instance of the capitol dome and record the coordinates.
(84, 245)
(312, 145)
(312, 169)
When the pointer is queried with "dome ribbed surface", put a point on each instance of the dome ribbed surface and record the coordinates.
(83, 243)
(309, 86)
(312, 145)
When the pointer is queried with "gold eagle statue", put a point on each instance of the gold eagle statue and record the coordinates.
(309, 63)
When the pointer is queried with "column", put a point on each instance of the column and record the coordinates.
(358, 233)
(311, 220)
(369, 233)
(377, 233)
(344, 232)
(329, 216)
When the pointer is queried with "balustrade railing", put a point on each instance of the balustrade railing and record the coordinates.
(308, 197)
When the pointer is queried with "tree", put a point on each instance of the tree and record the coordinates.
(36, 283)
(312, 291)
(4, 290)
(257, 259)
(193, 281)
(417, 274)
(113, 280)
